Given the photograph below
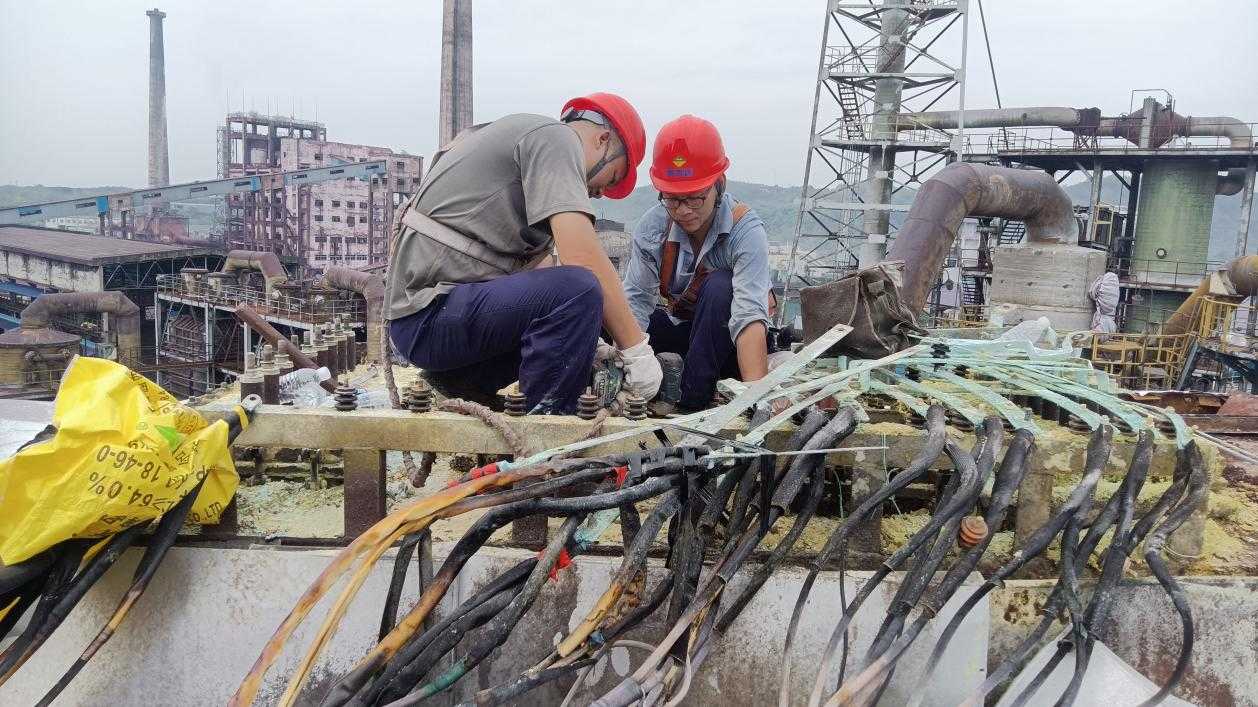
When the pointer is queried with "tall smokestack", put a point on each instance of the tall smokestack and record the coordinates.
(456, 70)
(159, 158)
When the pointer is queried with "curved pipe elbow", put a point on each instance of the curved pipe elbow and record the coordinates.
(963, 189)
(1231, 183)
(264, 262)
(125, 313)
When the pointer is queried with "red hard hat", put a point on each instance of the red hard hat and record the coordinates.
(689, 156)
(628, 126)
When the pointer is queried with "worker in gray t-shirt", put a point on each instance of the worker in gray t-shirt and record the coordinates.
(496, 274)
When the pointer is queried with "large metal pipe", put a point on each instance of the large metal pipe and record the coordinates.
(456, 70)
(371, 287)
(963, 189)
(125, 315)
(888, 92)
(1054, 116)
(266, 263)
(159, 153)
(1231, 182)
(253, 320)
(1163, 123)
(1233, 282)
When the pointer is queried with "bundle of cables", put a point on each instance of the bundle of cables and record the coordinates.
(718, 508)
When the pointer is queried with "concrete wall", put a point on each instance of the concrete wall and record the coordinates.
(1047, 280)
(44, 272)
(1144, 631)
(208, 612)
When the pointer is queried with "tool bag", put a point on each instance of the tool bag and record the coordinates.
(867, 300)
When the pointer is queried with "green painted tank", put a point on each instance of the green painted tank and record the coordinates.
(1173, 217)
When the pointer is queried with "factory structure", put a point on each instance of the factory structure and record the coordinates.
(875, 142)
(344, 222)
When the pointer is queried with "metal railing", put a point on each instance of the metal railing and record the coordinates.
(312, 307)
(1032, 140)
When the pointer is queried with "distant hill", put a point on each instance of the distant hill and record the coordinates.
(15, 195)
(778, 207)
(200, 214)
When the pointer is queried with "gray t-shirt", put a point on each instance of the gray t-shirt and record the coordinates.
(497, 185)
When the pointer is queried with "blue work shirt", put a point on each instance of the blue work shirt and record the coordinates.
(741, 248)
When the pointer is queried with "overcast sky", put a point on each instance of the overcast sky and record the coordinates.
(74, 75)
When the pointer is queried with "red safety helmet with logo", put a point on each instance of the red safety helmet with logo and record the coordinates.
(627, 124)
(688, 157)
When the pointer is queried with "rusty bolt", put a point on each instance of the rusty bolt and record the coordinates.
(972, 531)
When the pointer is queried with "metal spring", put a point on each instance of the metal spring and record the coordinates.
(346, 397)
(587, 405)
(418, 396)
(514, 404)
(635, 407)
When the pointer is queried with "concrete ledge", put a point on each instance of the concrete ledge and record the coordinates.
(208, 612)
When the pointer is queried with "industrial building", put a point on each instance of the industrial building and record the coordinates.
(341, 223)
(36, 261)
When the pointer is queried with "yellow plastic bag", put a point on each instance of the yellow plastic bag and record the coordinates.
(125, 452)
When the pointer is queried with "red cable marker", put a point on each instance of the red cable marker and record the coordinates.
(561, 562)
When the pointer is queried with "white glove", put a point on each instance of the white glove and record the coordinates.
(643, 375)
(604, 351)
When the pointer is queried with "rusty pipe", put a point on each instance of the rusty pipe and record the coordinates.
(962, 189)
(1240, 281)
(1167, 123)
(253, 320)
(266, 263)
(1054, 116)
(371, 287)
(125, 314)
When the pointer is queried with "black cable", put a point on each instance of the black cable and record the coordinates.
(1036, 543)
(1198, 488)
(968, 471)
(401, 564)
(932, 446)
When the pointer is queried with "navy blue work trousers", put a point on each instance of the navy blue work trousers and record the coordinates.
(537, 326)
(704, 342)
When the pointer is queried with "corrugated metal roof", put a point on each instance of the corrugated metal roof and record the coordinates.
(86, 249)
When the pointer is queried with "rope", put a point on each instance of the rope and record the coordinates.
(495, 420)
(417, 475)
(990, 61)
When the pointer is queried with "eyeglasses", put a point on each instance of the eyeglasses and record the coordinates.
(691, 202)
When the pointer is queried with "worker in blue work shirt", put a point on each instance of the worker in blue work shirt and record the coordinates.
(495, 272)
(698, 278)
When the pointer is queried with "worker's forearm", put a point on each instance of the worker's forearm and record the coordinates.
(578, 245)
(752, 348)
(617, 318)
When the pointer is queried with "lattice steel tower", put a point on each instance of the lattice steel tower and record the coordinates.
(879, 59)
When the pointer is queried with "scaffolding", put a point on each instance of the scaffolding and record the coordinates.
(877, 59)
(202, 343)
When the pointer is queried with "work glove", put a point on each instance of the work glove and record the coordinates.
(642, 372)
(604, 351)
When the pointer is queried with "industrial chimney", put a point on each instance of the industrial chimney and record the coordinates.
(456, 70)
(159, 158)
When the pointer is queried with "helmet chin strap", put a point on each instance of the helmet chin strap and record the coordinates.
(603, 161)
